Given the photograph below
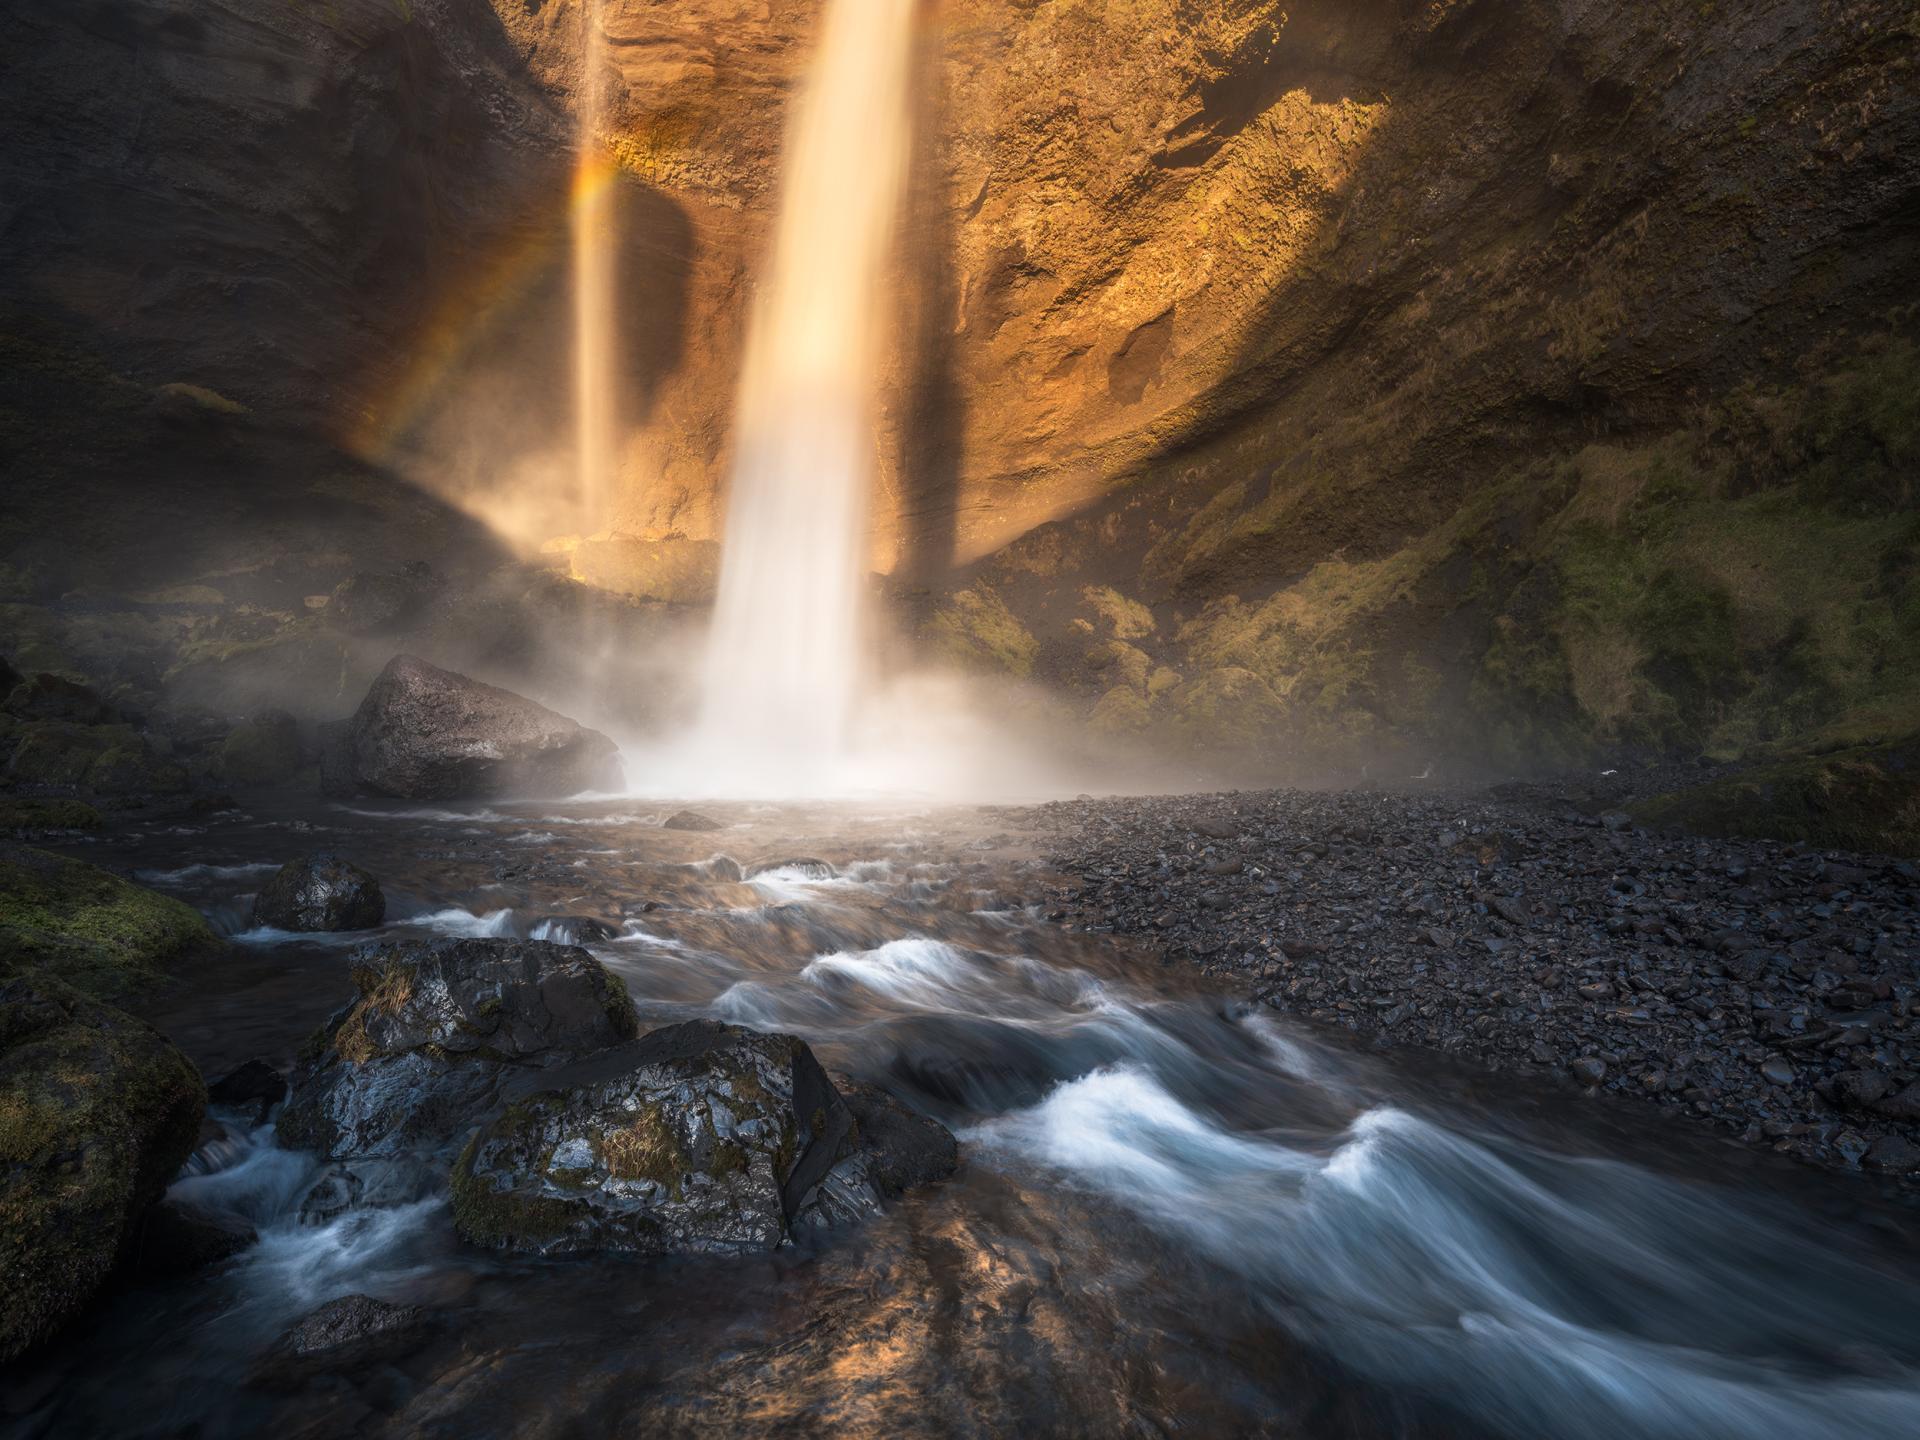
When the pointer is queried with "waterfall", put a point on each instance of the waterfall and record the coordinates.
(785, 658)
(593, 290)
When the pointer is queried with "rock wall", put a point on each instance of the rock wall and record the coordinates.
(1240, 321)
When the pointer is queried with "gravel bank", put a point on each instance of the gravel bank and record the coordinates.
(1769, 989)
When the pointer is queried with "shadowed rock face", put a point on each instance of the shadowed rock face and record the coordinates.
(320, 892)
(100, 1111)
(424, 733)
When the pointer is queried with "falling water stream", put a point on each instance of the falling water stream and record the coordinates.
(595, 320)
(1173, 1214)
(784, 662)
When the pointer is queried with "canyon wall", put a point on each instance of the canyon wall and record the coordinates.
(1336, 378)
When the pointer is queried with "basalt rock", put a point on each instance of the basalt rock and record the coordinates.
(420, 1053)
(373, 604)
(699, 1138)
(344, 1335)
(423, 733)
(320, 892)
(690, 820)
(97, 1112)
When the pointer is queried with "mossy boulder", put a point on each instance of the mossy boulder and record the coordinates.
(1865, 799)
(97, 1113)
(419, 1055)
(102, 759)
(699, 1138)
(103, 934)
(264, 750)
(54, 697)
(975, 629)
(32, 816)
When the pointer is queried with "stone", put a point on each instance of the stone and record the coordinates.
(1589, 1070)
(904, 1148)
(255, 1086)
(377, 604)
(320, 892)
(53, 697)
(423, 733)
(1860, 1089)
(1777, 1071)
(1895, 1154)
(353, 1332)
(698, 1138)
(97, 1113)
(418, 1056)
(105, 935)
(690, 820)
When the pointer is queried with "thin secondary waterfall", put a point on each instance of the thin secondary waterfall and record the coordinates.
(593, 290)
(785, 662)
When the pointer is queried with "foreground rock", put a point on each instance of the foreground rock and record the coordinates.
(1773, 990)
(424, 733)
(103, 934)
(318, 893)
(419, 1056)
(690, 820)
(97, 1113)
(701, 1137)
(343, 1335)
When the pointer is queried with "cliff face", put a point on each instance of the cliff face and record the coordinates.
(1338, 371)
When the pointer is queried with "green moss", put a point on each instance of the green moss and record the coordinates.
(977, 630)
(1124, 619)
(101, 933)
(97, 1112)
(486, 1216)
(648, 1149)
(30, 815)
(1864, 799)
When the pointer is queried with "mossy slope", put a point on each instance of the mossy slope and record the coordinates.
(102, 934)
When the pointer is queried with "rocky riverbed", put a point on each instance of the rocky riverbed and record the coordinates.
(1771, 990)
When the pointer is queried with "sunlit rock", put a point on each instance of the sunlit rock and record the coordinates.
(424, 733)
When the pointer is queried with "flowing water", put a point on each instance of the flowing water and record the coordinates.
(1173, 1213)
(784, 666)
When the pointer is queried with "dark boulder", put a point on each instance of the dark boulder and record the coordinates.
(255, 1086)
(99, 1111)
(418, 1056)
(423, 733)
(701, 1137)
(320, 892)
(690, 820)
(354, 1332)
(52, 697)
(904, 1148)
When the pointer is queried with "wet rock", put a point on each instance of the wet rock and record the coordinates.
(423, 733)
(419, 1054)
(102, 934)
(1895, 1154)
(175, 1239)
(255, 1086)
(1859, 1089)
(1588, 1070)
(690, 820)
(351, 1333)
(1777, 1071)
(904, 1148)
(573, 930)
(320, 892)
(99, 1112)
(701, 1137)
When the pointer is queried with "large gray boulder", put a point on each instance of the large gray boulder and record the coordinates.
(699, 1138)
(418, 1057)
(423, 733)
